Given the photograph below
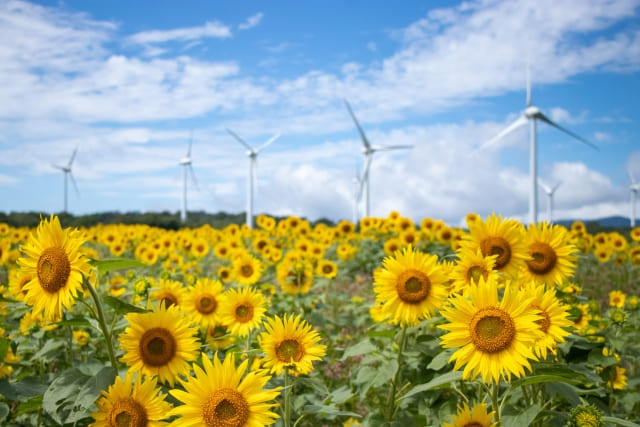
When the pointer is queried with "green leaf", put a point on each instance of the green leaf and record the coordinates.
(620, 422)
(438, 381)
(106, 265)
(122, 307)
(521, 419)
(441, 360)
(76, 321)
(328, 410)
(386, 333)
(340, 395)
(73, 393)
(30, 406)
(5, 344)
(22, 390)
(48, 349)
(363, 347)
(4, 411)
(537, 379)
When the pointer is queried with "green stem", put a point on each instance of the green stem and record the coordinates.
(287, 399)
(494, 400)
(103, 324)
(391, 409)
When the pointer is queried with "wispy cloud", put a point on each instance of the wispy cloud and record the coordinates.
(251, 21)
(213, 29)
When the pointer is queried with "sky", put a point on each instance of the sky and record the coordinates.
(129, 84)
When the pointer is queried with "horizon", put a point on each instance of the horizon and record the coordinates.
(128, 88)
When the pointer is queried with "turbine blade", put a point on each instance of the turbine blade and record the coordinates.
(73, 156)
(553, 190)
(522, 120)
(547, 120)
(269, 142)
(193, 177)
(631, 177)
(240, 140)
(74, 183)
(544, 186)
(62, 168)
(392, 147)
(365, 177)
(528, 82)
(365, 141)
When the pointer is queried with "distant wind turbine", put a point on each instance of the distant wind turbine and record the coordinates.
(549, 192)
(252, 154)
(356, 190)
(530, 115)
(367, 151)
(633, 188)
(185, 162)
(67, 172)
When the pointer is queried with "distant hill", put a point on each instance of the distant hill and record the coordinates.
(618, 223)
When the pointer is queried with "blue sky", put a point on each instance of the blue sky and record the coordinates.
(127, 83)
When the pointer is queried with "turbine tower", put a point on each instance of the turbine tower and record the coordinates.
(367, 151)
(252, 154)
(531, 115)
(633, 189)
(549, 191)
(67, 172)
(185, 162)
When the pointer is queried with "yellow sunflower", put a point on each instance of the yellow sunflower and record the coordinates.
(617, 298)
(219, 338)
(552, 260)
(295, 277)
(503, 238)
(472, 266)
(247, 269)
(477, 416)
(159, 343)
(169, 292)
(327, 268)
(412, 286)
(224, 274)
(56, 266)
(493, 338)
(222, 395)
(554, 322)
(618, 379)
(242, 310)
(131, 403)
(201, 302)
(290, 343)
(391, 245)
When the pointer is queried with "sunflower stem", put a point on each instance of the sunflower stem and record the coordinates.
(287, 399)
(391, 410)
(103, 324)
(494, 400)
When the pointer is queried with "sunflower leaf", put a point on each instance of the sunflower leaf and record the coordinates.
(521, 419)
(5, 344)
(438, 381)
(120, 306)
(106, 265)
(328, 410)
(363, 347)
(620, 422)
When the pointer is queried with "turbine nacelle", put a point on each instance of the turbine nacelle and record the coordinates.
(185, 161)
(532, 112)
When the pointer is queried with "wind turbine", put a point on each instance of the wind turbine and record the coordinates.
(252, 154)
(356, 184)
(367, 151)
(185, 162)
(530, 115)
(549, 191)
(67, 172)
(634, 188)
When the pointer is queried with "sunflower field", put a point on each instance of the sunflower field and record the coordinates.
(380, 323)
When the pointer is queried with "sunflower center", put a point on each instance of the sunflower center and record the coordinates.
(246, 270)
(206, 303)
(289, 351)
(326, 269)
(157, 347)
(544, 258)
(413, 286)
(244, 313)
(545, 322)
(54, 269)
(473, 424)
(475, 273)
(169, 300)
(225, 408)
(127, 413)
(497, 246)
(492, 330)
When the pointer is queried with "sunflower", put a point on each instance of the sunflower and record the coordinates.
(218, 337)
(493, 338)
(411, 284)
(201, 302)
(472, 266)
(159, 343)
(129, 403)
(56, 267)
(327, 268)
(552, 259)
(554, 319)
(199, 247)
(247, 269)
(618, 379)
(222, 395)
(169, 292)
(295, 277)
(391, 245)
(503, 238)
(477, 416)
(242, 310)
(224, 274)
(290, 343)
(616, 299)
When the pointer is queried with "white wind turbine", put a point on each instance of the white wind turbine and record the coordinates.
(633, 188)
(530, 115)
(185, 162)
(67, 172)
(367, 151)
(549, 192)
(252, 154)
(356, 190)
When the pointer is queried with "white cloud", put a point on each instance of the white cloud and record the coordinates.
(251, 21)
(212, 29)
